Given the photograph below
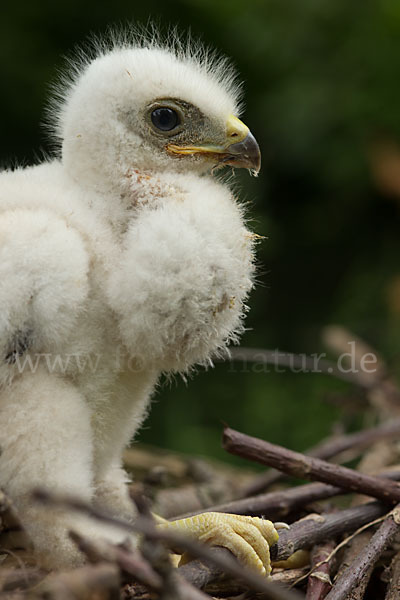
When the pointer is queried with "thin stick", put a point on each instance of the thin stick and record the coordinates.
(305, 467)
(355, 547)
(174, 587)
(319, 583)
(279, 504)
(17, 579)
(90, 581)
(131, 563)
(316, 529)
(344, 543)
(368, 557)
(327, 450)
(295, 362)
(360, 439)
(275, 504)
(393, 590)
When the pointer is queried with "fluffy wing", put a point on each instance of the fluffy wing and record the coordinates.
(43, 282)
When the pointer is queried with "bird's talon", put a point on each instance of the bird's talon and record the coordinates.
(281, 525)
(248, 538)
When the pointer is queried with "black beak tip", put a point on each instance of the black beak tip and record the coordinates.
(245, 154)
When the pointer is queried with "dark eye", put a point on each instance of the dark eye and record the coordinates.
(164, 118)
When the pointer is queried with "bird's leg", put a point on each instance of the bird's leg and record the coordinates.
(248, 538)
(46, 442)
(112, 494)
(113, 429)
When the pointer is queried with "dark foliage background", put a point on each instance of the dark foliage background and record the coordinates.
(322, 90)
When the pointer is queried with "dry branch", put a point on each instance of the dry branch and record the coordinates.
(316, 529)
(319, 582)
(361, 439)
(13, 579)
(279, 504)
(304, 467)
(382, 391)
(135, 568)
(355, 547)
(131, 563)
(226, 587)
(393, 590)
(363, 562)
(295, 362)
(329, 449)
(99, 581)
(173, 586)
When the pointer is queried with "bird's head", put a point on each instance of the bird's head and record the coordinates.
(152, 108)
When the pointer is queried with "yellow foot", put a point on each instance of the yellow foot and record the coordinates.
(248, 538)
(297, 560)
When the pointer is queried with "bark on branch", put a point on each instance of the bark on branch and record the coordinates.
(329, 449)
(274, 505)
(363, 562)
(305, 467)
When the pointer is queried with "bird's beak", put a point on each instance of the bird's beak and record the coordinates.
(240, 149)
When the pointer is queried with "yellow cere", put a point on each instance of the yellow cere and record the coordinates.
(236, 130)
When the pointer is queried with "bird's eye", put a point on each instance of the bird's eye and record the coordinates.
(164, 118)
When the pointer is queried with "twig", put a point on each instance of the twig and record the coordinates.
(340, 340)
(345, 542)
(11, 579)
(130, 563)
(319, 582)
(357, 545)
(368, 557)
(316, 529)
(224, 586)
(135, 568)
(361, 439)
(383, 393)
(393, 590)
(377, 456)
(288, 577)
(296, 362)
(275, 504)
(99, 581)
(174, 587)
(279, 504)
(304, 467)
(327, 450)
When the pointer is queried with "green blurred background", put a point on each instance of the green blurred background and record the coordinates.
(322, 82)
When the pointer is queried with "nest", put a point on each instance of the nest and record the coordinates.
(344, 522)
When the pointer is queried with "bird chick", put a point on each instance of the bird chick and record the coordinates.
(121, 258)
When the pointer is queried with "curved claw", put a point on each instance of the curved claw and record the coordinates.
(281, 525)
